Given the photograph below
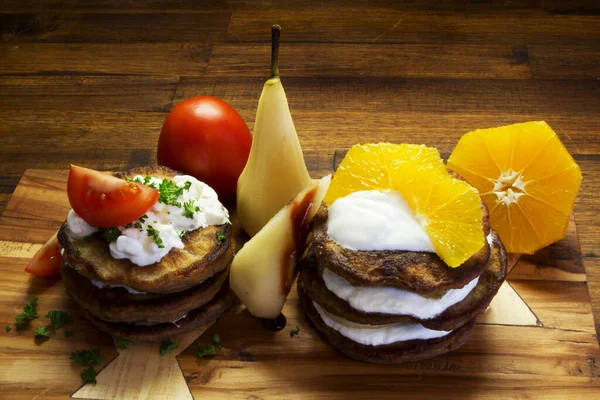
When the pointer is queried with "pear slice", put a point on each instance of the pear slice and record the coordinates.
(275, 171)
(262, 272)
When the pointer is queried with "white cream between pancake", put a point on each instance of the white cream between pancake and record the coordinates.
(376, 220)
(372, 335)
(391, 300)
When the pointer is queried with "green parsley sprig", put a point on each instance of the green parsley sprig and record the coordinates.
(29, 312)
(295, 332)
(57, 318)
(121, 343)
(87, 357)
(110, 234)
(42, 331)
(155, 234)
(166, 346)
(189, 208)
(88, 375)
(210, 349)
(169, 193)
(220, 238)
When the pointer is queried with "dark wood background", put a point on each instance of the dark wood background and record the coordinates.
(90, 82)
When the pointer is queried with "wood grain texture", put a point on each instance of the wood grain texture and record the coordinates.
(551, 311)
(90, 82)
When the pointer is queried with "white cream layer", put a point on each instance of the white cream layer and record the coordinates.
(391, 300)
(372, 335)
(376, 220)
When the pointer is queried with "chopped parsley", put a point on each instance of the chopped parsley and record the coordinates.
(42, 331)
(87, 357)
(208, 350)
(143, 218)
(147, 180)
(78, 250)
(110, 234)
(220, 238)
(57, 318)
(189, 208)
(181, 234)
(68, 334)
(166, 346)
(29, 312)
(187, 185)
(169, 193)
(88, 375)
(153, 233)
(121, 343)
(295, 332)
(8, 328)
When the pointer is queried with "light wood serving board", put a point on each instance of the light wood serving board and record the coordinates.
(537, 340)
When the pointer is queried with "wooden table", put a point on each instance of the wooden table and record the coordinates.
(90, 82)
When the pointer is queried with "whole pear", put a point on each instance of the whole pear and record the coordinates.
(275, 172)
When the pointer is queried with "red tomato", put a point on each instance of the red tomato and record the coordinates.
(105, 201)
(206, 138)
(46, 262)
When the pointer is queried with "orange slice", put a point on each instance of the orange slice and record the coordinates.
(448, 209)
(527, 179)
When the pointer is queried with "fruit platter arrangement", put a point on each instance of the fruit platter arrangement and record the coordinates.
(227, 270)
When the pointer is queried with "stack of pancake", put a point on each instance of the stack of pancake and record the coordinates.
(343, 293)
(186, 289)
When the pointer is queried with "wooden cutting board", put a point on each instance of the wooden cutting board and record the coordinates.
(537, 340)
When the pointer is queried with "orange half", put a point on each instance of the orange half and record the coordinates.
(527, 179)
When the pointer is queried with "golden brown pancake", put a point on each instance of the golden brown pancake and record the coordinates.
(117, 304)
(413, 350)
(419, 272)
(204, 315)
(181, 269)
(476, 302)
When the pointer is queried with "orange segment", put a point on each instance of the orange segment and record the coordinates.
(448, 209)
(527, 179)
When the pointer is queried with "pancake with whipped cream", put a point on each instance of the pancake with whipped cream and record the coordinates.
(374, 306)
(161, 274)
(368, 218)
(194, 249)
(372, 283)
(388, 344)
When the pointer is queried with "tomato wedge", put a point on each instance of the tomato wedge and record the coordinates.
(105, 201)
(46, 262)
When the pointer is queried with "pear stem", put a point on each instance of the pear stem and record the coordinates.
(275, 34)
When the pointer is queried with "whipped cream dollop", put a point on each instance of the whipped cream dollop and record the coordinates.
(147, 240)
(391, 300)
(77, 228)
(376, 220)
(376, 335)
